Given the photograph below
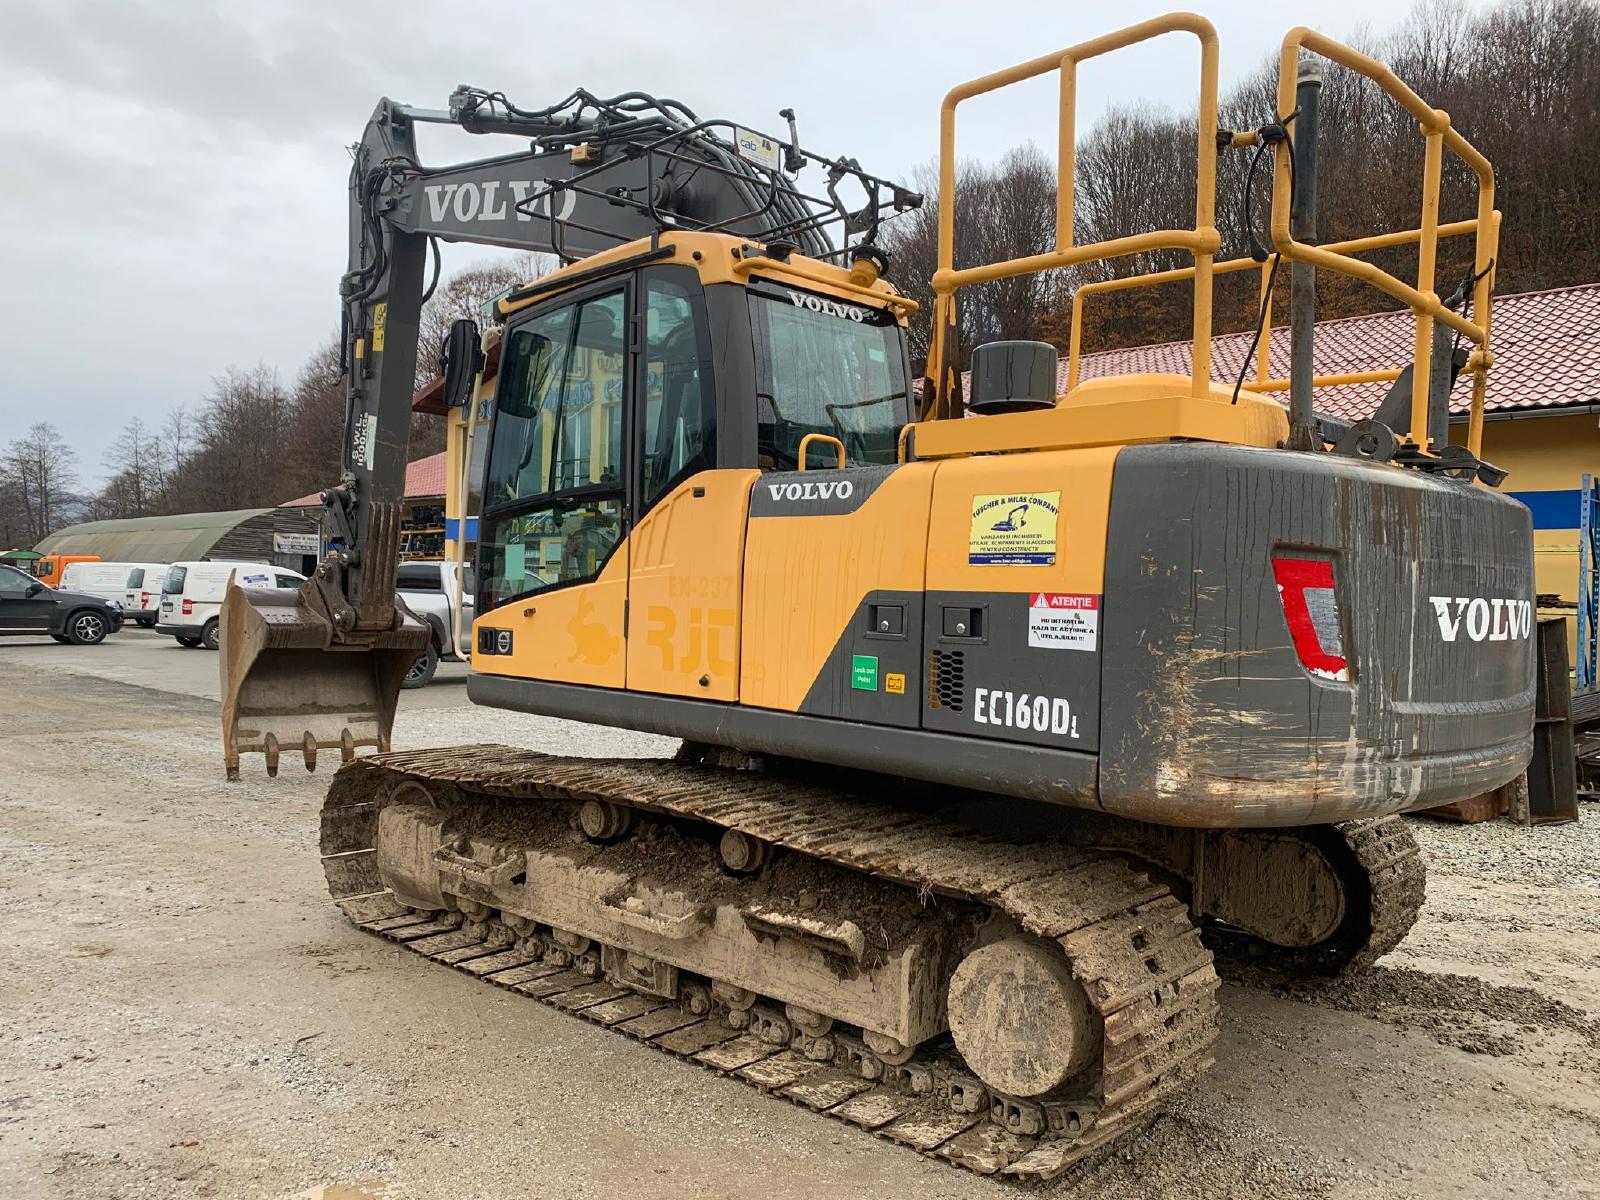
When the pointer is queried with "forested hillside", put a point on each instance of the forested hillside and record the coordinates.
(1520, 79)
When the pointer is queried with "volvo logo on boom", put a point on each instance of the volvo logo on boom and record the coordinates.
(1482, 619)
(486, 201)
(841, 489)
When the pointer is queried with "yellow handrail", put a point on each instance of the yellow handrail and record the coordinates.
(805, 448)
(1202, 241)
(1228, 267)
(1421, 299)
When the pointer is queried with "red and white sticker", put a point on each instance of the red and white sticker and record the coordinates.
(1063, 621)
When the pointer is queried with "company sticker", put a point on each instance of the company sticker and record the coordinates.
(1063, 621)
(756, 148)
(1016, 530)
(864, 672)
(895, 683)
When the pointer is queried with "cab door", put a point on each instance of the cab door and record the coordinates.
(553, 548)
(686, 554)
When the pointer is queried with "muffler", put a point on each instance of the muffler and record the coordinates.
(291, 682)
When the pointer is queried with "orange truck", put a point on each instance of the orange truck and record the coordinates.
(50, 567)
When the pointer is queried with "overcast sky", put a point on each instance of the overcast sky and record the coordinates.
(174, 191)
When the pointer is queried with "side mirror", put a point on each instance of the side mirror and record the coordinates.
(460, 361)
(34, 589)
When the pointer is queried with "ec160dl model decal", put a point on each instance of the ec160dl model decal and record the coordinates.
(1020, 710)
(1483, 619)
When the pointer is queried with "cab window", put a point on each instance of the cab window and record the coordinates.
(825, 366)
(553, 501)
(679, 413)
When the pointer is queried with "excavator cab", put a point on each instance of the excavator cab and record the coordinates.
(616, 383)
(611, 186)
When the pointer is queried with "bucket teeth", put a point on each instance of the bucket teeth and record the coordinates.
(291, 681)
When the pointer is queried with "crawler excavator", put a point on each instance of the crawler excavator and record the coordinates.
(998, 732)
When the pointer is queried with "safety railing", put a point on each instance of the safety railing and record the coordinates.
(1264, 380)
(1202, 241)
(1424, 303)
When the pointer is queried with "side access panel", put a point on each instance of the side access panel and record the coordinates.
(685, 590)
(1016, 562)
(834, 563)
(571, 635)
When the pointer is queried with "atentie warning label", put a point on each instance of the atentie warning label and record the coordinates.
(1063, 621)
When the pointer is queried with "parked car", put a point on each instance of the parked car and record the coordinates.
(191, 595)
(429, 590)
(28, 606)
(122, 582)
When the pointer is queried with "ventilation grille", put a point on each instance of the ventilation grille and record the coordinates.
(947, 680)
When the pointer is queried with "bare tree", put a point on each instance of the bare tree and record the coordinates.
(39, 472)
(1002, 212)
(464, 294)
(313, 448)
(134, 488)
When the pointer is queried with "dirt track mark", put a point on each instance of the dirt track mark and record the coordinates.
(1455, 1010)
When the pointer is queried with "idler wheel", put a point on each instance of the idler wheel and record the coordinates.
(1019, 1018)
(603, 821)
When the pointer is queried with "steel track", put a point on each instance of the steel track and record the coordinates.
(1131, 944)
(1380, 865)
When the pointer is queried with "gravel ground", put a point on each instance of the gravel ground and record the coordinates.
(1547, 855)
(185, 1015)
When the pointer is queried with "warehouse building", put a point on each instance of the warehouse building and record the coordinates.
(285, 537)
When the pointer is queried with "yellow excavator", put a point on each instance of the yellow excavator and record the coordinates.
(1006, 714)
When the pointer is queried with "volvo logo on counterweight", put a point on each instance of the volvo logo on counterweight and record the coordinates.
(1482, 619)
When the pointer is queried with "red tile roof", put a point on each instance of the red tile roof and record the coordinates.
(425, 477)
(1546, 355)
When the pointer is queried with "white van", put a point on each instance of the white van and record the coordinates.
(142, 601)
(116, 581)
(191, 595)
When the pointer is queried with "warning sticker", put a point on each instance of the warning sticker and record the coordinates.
(1016, 530)
(1063, 621)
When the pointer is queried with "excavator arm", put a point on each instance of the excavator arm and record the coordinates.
(321, 667)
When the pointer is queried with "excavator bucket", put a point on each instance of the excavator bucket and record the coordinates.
(291, 683)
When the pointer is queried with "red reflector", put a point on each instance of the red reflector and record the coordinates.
(1305, 586)
(144, 599)
(188, 608)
